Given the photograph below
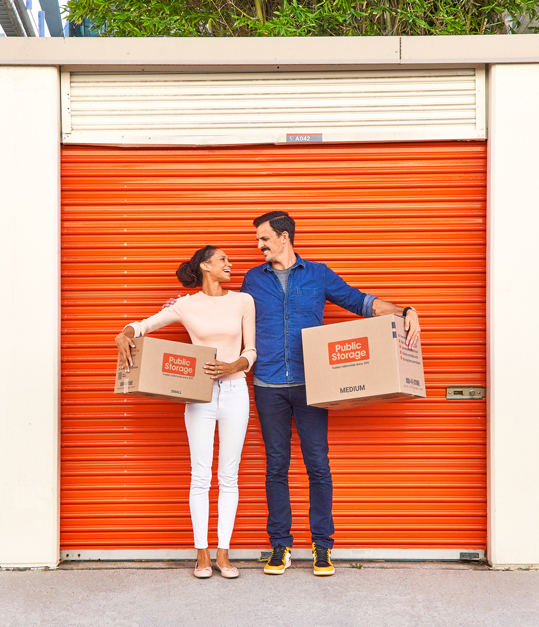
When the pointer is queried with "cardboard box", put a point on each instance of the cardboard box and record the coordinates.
(172, 371)
(361, 363)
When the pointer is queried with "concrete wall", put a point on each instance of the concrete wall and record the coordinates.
(195, 54)
(513, 305)
(29, 316)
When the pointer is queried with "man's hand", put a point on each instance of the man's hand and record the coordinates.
(411, 322)
(411, 326)
(125, 343)
(217, 369)
(170, 302)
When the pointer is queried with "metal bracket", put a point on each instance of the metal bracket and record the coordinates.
(466, 393)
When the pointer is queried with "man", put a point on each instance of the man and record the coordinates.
(290, 294)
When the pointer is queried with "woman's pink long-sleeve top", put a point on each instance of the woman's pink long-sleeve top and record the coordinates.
(222, 322)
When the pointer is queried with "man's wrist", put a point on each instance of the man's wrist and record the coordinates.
(406, 310)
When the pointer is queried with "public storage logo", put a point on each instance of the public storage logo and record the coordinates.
(179, 364)
(347, 351)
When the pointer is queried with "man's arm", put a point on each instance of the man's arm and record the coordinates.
(170, 302)
(411, 322)
(348, 297)
(245, 286)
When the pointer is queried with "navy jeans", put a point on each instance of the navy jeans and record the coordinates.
(276, 406)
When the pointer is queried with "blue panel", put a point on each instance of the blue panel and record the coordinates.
(41, 23)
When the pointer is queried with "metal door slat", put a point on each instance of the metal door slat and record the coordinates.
(405, 221)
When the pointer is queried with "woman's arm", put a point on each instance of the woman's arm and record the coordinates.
(124, 339)
(217, 369)
(249, 331)
(161, 319)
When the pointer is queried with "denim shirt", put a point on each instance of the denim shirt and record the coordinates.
(281, 316)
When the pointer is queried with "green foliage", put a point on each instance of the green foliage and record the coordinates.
(300, 18)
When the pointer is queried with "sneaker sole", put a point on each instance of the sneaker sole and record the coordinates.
(278, 572)
(324, 574)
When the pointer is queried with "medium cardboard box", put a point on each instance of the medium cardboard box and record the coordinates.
(361, 363)
(169, 370)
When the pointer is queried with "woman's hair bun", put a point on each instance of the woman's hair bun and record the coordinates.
(189, 273)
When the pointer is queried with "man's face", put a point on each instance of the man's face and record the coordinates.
(272, 245)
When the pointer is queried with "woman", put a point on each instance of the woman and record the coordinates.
(219, 318)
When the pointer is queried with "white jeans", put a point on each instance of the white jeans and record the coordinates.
(230, 407)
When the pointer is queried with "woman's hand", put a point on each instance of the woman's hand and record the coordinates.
(217, 369)
(124, 342)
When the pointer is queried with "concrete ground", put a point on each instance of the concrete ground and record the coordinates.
(166, 594)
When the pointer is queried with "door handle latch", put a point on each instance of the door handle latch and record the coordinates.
(465, 393)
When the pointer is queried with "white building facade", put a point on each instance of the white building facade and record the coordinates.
(180, 93)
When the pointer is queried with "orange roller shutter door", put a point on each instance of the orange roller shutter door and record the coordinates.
(406, 222)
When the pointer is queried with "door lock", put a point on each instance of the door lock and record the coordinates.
(465, 393)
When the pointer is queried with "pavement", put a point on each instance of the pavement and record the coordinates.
(165, 594)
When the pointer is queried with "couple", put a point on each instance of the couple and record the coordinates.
(289, 294)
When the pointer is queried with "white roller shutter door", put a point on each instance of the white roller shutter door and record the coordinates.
(242, 108)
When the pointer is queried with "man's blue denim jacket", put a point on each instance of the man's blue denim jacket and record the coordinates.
(280, 317)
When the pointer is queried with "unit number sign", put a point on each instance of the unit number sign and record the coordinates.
(313, 137)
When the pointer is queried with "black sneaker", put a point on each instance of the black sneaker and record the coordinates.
(322, 560)
(279, 561)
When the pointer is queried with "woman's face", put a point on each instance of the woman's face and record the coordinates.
(218, 267)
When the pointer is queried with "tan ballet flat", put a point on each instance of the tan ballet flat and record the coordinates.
(228, 573)
(202, 573)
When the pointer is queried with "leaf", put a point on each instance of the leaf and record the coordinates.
(305, 18)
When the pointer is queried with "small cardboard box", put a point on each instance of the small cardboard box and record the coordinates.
(361, 363)
(172, 371)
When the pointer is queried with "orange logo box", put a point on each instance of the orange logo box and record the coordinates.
(179, 364)
(346, 351)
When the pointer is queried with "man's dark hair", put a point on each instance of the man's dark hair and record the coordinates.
(280, 222)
